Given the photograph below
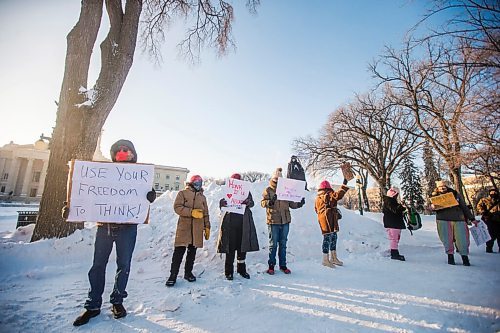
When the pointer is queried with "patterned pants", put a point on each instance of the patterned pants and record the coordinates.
(454, 233)
(330, 242)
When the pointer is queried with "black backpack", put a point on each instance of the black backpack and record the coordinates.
(295, 169)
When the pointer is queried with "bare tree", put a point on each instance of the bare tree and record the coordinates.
(83, 108)
(255, 176)
(439, 95)
(476, 21)
(367, 133)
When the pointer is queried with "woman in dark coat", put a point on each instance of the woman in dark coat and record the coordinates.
(237, 234)
(393, 221)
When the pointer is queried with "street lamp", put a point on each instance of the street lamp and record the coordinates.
(359, 184)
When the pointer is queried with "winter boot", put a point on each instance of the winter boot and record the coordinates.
(270, 270)
(229, 276)
(242, 269)
(451, 259)
(189, 276)
(489, 249)
(171, 280)
(465, 260)
(85, 317)
(118, 311)
(396, 256)
(334, 260)
(327, 262)
(285, 270)
(188, 266)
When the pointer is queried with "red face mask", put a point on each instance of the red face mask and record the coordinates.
(121, 156)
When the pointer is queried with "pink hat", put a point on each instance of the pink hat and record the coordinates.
(393, 192)
(195, 178)
(324, 185)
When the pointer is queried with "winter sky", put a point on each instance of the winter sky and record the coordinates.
(295, 62)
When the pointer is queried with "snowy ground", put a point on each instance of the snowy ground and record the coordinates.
(43, 285)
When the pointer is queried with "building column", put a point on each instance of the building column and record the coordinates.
(28, 178)
(43, 174)
(12, 171)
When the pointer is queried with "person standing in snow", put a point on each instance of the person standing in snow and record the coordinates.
(237, 234)
(124, 236)
(328, 218)
(489, 208)
(393, 220)
(191, 206)
(278, 223)
(451, 224)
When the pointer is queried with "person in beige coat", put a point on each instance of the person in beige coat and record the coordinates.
(191, 206)
(278, 223)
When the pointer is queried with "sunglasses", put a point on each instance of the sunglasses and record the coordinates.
(124, 149)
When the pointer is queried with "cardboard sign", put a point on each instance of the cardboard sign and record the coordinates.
(444, 201)
(109, 192)
(235, 191)
(290, 189)
(480, 233)
(347, 171)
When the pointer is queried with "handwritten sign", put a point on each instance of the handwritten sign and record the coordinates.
(290, 189)
(444, 201)
(347, 171)
(109, 192)
(235, 192)
(480, 233)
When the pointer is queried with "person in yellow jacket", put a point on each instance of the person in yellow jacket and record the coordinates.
(191, 206)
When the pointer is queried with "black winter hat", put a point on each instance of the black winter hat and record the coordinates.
(120, 143)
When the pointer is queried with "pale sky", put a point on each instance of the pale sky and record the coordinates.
(296, 61)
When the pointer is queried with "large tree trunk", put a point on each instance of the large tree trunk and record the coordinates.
(80, 117)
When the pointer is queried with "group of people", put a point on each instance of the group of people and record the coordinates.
(451, 221)
(237, 232)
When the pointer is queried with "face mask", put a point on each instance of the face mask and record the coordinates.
(494, 195)
(197, 185)
(121, 156)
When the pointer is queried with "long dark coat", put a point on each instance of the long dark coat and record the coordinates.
(393, 213)
(249, 240)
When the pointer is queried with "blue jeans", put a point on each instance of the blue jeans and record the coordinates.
(330, 242)
(124, 237)
(278, 236)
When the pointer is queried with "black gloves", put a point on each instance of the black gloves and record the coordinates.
(222, 203)
(303, 202)
(65, 210)
(151, 196)
(344, 182)
(272, 200)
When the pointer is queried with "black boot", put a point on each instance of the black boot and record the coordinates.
(229, 276)
(118, 311)
(242, 270)
(188, 267)
(396, 256)
(451, 259)
(465, 260)
(85, 317)
(174, 267)
(171, 280)
(489, 249)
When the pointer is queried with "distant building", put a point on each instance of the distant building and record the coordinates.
(23, 169)
(169, 178)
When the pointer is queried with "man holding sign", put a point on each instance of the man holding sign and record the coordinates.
(123, 234)
(237, 230)
(277, 205)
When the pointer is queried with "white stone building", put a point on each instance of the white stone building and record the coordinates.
(23, 169)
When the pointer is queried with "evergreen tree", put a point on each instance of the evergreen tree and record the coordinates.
(410, 181)
(430, 171)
